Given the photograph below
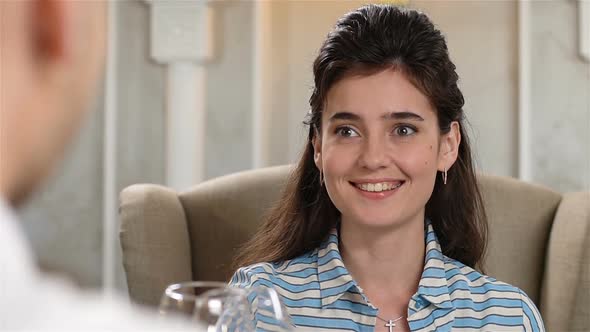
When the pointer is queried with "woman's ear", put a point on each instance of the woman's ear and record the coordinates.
(449, 147)
(317, 149)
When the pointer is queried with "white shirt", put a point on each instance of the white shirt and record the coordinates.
(31, 301)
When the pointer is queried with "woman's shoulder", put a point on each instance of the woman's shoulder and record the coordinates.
(293, 270)
(461, 277)
(472, 291)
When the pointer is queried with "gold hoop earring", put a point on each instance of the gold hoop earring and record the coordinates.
(444, 176)
(321, 178)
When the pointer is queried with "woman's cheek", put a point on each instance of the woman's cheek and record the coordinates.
(418, 160)
(337, 160)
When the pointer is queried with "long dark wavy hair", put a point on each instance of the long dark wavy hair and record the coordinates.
(365, 41)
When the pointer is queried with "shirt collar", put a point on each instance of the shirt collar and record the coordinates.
(335, 280)
(433, 286)
(333, 276)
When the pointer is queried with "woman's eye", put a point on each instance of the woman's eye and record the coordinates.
(346, 132)
(404, 131)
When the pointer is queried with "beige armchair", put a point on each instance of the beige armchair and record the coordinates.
(539, 239)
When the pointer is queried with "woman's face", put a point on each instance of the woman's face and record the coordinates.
(380, 149)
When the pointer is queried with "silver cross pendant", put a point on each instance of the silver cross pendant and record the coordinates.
(391, 325)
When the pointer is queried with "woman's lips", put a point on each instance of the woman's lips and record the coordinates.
(377, 189)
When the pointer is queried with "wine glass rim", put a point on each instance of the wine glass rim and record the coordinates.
(172, 290)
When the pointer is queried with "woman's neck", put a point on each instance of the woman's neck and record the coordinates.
(387, 263)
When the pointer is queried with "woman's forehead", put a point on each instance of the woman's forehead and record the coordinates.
(376, 96)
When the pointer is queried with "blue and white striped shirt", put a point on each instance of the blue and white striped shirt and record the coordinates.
(320, 294)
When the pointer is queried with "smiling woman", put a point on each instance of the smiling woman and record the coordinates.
(387, 137)
(382, 224)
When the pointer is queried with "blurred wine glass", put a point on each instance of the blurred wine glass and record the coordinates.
(224, 309)
(179, 299)
(216, 307)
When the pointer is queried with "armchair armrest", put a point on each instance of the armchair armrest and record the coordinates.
(154, 237)
(565, 298)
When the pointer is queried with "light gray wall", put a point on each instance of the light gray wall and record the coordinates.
(141, 116)
(64, 220)
(228, 146)
(482, 42)
(560, 99)
(278, 145)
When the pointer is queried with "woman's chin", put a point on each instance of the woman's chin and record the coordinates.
(376, 222)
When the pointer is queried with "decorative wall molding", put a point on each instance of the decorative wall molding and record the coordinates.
(584, 29)
(182, 38)
(110, 194)
(261, 99)
(181, 30)
(524, 91)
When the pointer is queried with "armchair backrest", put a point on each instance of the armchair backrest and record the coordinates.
(168, 237)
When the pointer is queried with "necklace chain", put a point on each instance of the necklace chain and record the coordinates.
(392, 320)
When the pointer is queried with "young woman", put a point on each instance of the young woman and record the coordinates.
(382, 224)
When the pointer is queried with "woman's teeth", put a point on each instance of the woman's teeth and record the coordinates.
(378, 187)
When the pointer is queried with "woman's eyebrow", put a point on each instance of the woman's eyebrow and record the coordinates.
(404, 115)
(344, 116)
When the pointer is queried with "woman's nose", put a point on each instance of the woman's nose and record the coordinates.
(374, 154)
